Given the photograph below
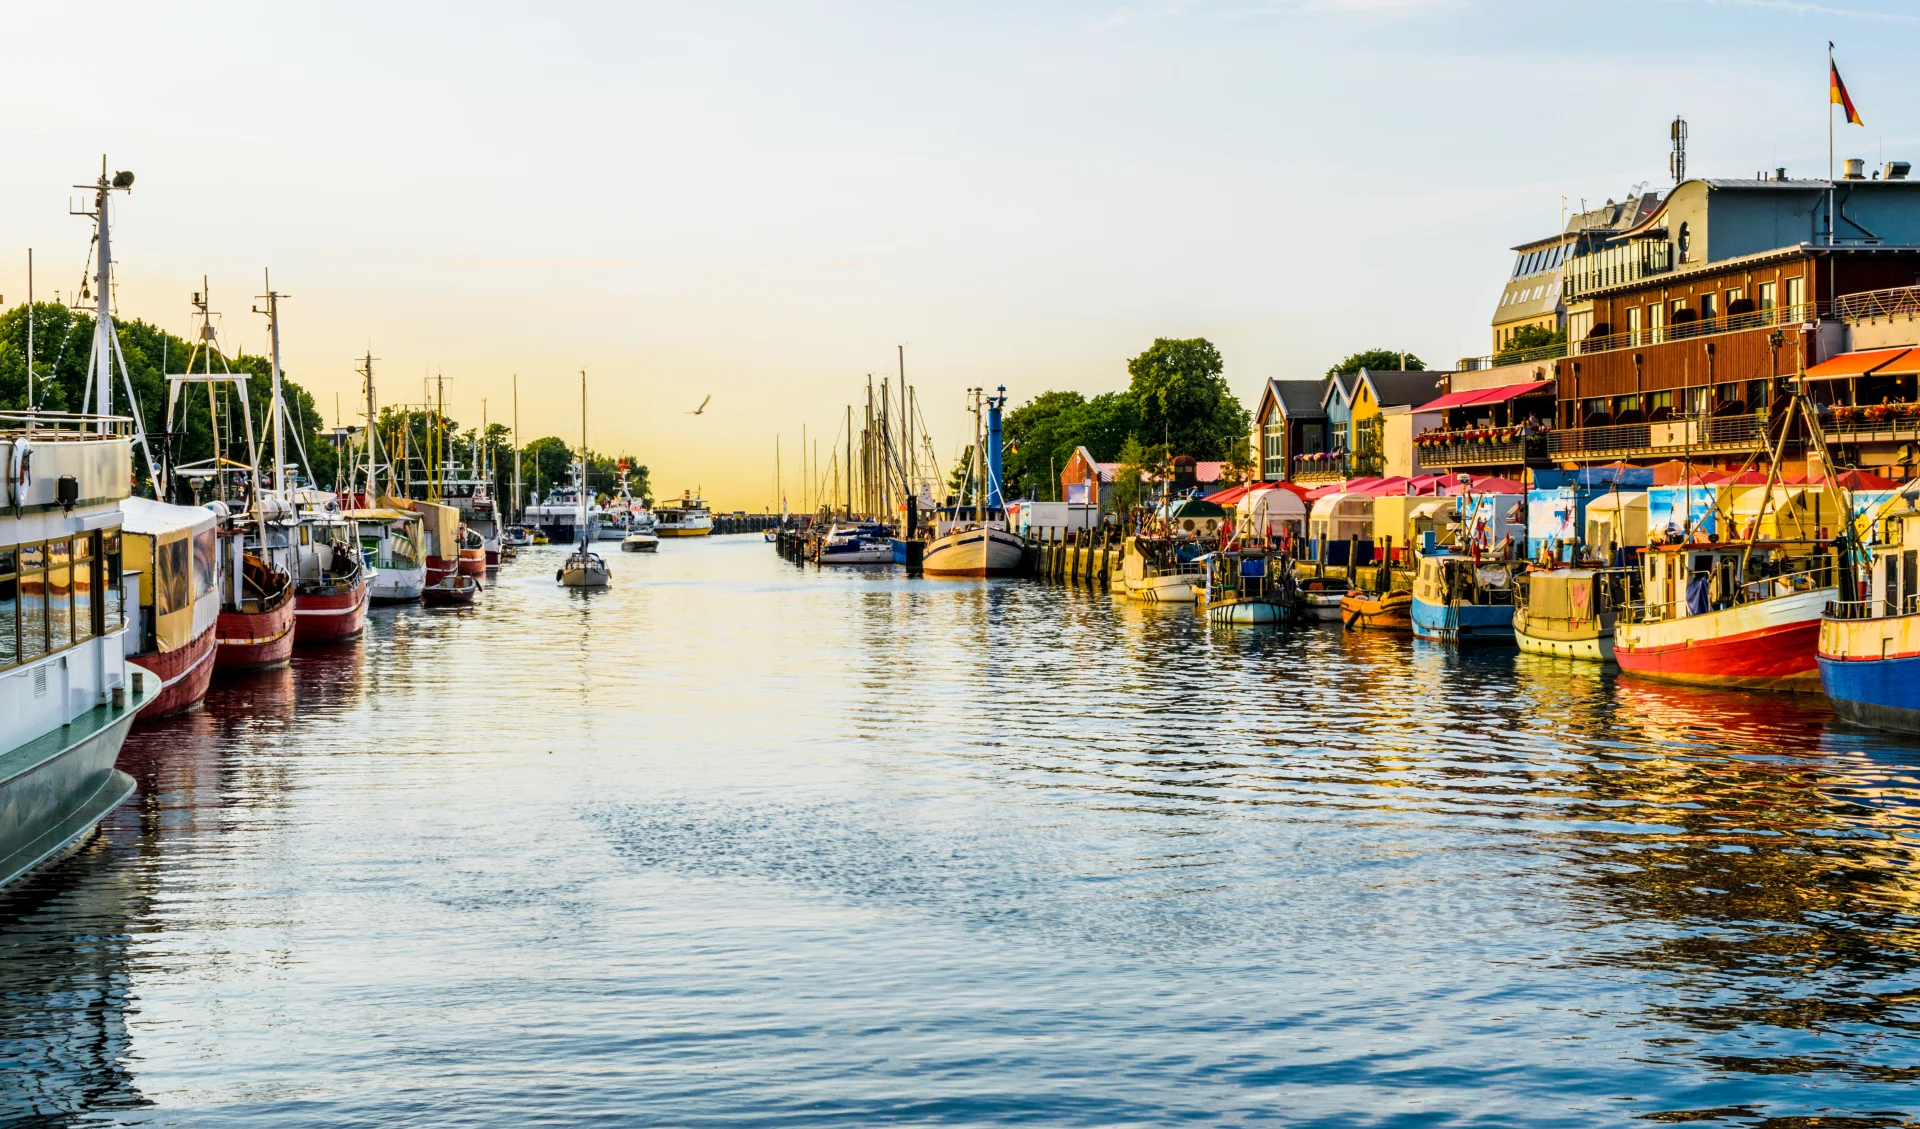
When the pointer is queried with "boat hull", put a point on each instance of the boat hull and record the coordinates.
(868, 555)
(676, 531)
(1592, 648)
(584, 578)
(1463, 623)
(1871, 670)
(1323, 606)
(972, 553)
(1765, 645)
(254, 640)
(640, 545)
(1167, 588)
(53, 798)
(1248, 613)
(396, 585)
(455, 591)
(330, 614)
(183, 673)
(473, 562)
(1372, 611)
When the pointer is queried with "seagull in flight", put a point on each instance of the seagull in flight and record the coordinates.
(702, 409)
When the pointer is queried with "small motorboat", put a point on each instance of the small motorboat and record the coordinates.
(537, 537)
(1378, 611)
(1237, 591)
(640, 541)
(473, 552)
(516, 536)
(857, 543)
(1321, 596)
(455, 589)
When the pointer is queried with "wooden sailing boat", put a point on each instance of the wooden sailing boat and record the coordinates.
(584, 569)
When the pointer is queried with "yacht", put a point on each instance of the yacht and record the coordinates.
(68, 695)
(973, 540)
(685, 516)
(559, 517)
(857, 543)
(585, 568)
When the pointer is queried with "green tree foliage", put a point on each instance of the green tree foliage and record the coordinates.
(1377, 360)
(1141, 466)
(62, 342)
(548, 462)
(1183, 400)
(1041, 436)
(1528, 337)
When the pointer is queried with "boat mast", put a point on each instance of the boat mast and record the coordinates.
(366, 370)
(514, 507)
(583, 461)
(279, 410)
(106, 345)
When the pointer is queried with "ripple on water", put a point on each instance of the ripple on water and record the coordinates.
(740, 842)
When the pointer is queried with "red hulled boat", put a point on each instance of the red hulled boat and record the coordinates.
(173, 550)
(257, 632)
(330, 597)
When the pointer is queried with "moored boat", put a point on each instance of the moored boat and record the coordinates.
(856, 543)
(67, 693)
(392, 543)
(455, 589)
(1237, 590)
(1152, 571)
(330, 584)
(1869, 646)
(473, 552)
(174, 547)
(1570, 613)
(685, 516)
(1740, 615)
(1322, 598)
(255, 628)
(1377, 611)
(1457, 599)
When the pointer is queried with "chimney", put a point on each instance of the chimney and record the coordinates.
(1856, 169)
(1897, 170)
(1780, 173)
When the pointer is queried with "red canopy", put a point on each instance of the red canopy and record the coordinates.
(1231, 495)
(1490, 486)
(1862, 480)
(1495, 395)
(1855, 364)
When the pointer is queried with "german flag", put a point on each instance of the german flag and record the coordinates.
(1838, 94)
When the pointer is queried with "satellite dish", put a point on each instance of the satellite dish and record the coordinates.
(123, 180)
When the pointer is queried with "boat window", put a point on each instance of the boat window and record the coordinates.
(59, 587)
(9, 611)
(172, 588)
(111, 594)
(33, 602)
(83, 590)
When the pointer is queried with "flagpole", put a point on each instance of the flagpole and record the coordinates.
(1830, 73)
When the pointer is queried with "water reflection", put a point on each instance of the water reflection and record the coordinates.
(738, 839)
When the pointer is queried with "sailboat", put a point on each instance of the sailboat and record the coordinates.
(974, 540)
(584, 569)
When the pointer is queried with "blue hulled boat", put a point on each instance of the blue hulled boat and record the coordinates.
(1869, 651)
(1458, 600)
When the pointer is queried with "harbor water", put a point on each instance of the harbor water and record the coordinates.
(740, 842)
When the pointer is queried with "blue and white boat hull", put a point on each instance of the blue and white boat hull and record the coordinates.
(1463, 623)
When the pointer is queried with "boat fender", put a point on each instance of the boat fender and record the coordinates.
(559, 573)
(20, 470)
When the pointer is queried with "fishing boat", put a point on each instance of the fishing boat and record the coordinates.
(518, 536)
(1321, 598)
(1869, 645)
(254, 630)
(1237, 590)
(584, 569)
(176, 549)
(1155, 570)
(330, 579)
(392, 543)
(856, 543)
(1570, 612)
(974, 541)
(685, 516)
(1377, 611)
(255, 625)
(67, 693)
(456, 589)
(1743, 614)
(473, 552)
(1460, 599)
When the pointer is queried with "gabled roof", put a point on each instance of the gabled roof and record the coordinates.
(1394, 387)
(1298, 399)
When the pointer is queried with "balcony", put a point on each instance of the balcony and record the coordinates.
(1879, 423)
(1778, 317)
(1516, 452)
(1671, 439)
(1901, 301)
(1616, 266)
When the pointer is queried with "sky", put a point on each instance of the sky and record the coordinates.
(758, 202)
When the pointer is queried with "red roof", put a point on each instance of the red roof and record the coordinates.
(1490, 485)
(1495, 395)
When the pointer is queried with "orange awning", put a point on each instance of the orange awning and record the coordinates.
(1857, 364)
(1905, 365)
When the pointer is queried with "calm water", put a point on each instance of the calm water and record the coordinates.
(736, 842)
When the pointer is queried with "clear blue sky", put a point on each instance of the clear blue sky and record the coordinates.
(758, 201)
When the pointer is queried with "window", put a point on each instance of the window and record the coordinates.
(1633, 325)
(9, 610)
(1796, 295)
(59, 587)
(33, 602)
(1707, 306)
(172, 582)
(1766, 295)
(83, 587)
(1735, 297)
(1656, 322)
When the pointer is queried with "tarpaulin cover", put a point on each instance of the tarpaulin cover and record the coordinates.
(1475, 396)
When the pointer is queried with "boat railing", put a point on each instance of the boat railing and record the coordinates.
(54, 427)
(1810, 578)
(1872, 609)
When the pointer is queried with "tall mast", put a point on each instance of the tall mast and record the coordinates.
(849, 463)
(514, 507)
(583, 460)
(366, 370)
(278, 410)
(29, 329)
(106, 346)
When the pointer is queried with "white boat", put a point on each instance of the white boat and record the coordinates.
(392, 542)
(1145, 578)
(559, 517)
(67, 692)
(857, 543)
(975, 540)
(685, 516)
(584, 569)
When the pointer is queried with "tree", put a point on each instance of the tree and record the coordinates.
(1528, 337)
(1140, 464)
(1184, 400)
(1377, 360)
(545, 463)
(1240, 465)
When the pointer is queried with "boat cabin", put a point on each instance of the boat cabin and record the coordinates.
(1565, 603)
(1451, 578)
(1693, 579)
(1894, 587)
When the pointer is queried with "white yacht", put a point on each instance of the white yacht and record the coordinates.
(67, 693)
